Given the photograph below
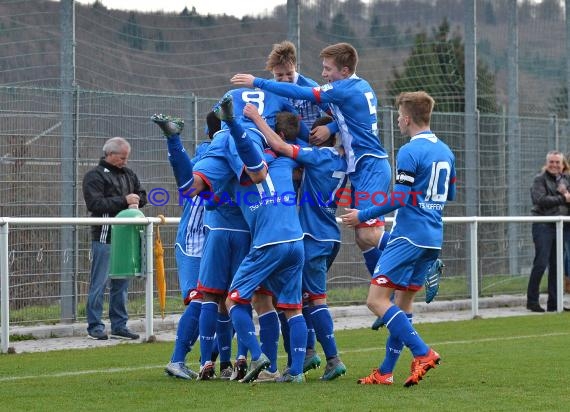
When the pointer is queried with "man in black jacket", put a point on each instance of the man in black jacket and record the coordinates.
(108, 189)
(550, 197)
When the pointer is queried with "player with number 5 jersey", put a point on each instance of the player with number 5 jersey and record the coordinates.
(353, 103)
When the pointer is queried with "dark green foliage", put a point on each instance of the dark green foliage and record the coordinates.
(437, 65)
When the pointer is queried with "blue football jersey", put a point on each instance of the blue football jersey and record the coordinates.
(353, 105)
(268, 105)
(225, 213)
(324, 174)
(190, 232)
(270, 207)
(425, 166)
(308, 111)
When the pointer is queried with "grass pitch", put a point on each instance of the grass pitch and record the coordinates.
(503, 364)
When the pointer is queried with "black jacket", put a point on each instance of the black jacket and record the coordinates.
(546, 199)
(104, 191)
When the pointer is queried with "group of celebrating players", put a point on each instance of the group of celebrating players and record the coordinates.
(272, 252)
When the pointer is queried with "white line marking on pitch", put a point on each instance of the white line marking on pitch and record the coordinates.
(120, 370)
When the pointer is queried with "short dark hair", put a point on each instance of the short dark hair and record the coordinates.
(288, 124)
(213, 124)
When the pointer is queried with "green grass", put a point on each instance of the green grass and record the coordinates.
(502, 364)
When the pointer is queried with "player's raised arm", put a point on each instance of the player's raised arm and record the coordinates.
(243, 79)
(274, 140)
(284, 89)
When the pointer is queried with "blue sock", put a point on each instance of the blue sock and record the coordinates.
(394, 348)
(285, 334)
(245, 329)
(311, 337)
(186, 332)
(241, 348)
(215, 353)
(324, 329)
(224, 332)
(246, 149)
(399, 325)
(371, 257)
(298, 340)
(208, 320)
(269, 337)
(180, 162)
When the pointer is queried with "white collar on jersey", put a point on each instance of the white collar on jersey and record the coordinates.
(427, 134)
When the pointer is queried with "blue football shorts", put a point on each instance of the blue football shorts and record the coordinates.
(404, 266)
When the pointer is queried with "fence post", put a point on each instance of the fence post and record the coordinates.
(514, 136)
(4, 285)
(560, 265)
(68, 160)
(149, 294)
(192, 118)
(474, 269)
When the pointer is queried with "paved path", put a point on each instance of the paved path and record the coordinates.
(58, 337)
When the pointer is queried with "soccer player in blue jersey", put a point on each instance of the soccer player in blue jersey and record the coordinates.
(425, 181)
(324, 174)
(225, 244)
(282, 63)
(237, 156)
(276, 258)
(352, 103)
(188, 251)
(219, 262)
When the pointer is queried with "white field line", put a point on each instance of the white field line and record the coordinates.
(361, 350)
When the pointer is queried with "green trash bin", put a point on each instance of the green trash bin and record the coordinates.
(126, 247)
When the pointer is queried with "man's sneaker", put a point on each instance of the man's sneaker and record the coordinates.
(266, 376)
(124, 334)
(240, 369)
(207, 372)
(288, 378)
(97, 335)
(378, 323)
(255, 367)
(312, 361)
(377, 378)
(334, 369)
(420, 366)
(180, 370)
(226, 373)
(224, 110)
(432, 280)
(169, 125)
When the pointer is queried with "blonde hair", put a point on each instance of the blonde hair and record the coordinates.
(283, 53)
(418, 105)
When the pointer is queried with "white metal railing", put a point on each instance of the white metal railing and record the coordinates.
(149, 223)
(5, 223)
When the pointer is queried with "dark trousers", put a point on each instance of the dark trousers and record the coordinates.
(544, 238)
